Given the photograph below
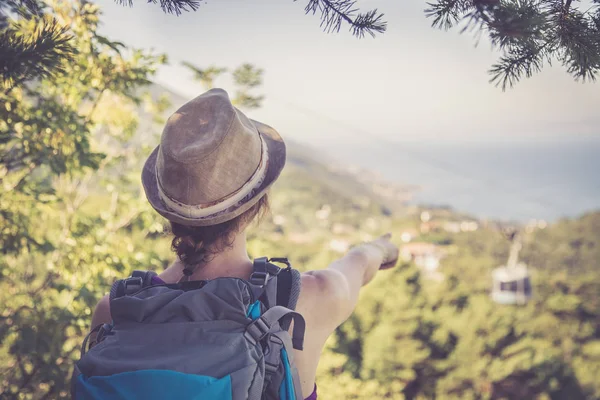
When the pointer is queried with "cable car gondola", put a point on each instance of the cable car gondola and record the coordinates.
(511, 283)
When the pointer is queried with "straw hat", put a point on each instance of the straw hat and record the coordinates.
(212, 164)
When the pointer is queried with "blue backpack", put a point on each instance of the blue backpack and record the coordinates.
(225, 339)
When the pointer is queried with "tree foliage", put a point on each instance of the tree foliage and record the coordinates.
(206, 76)
(416, 338)
(411, 338)
(34, 45)
(246, 77)
(63, 141)
(529, 33)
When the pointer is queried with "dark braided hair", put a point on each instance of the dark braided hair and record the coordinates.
(196, 245)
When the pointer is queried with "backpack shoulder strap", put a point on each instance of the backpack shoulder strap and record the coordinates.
(288, 288)
(280, 286)
(263, 325)
(278, 289)
(138, 280)
(289, 282)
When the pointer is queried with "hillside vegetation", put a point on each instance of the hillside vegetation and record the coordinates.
(415, 338)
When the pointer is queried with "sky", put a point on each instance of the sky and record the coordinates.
(413, 83)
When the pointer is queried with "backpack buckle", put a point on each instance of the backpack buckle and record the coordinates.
(257, 330)
(132, 285)
(271, 368)
(104, 331)
(282, 260)
(259, 278)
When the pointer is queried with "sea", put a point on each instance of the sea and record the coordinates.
(545, 179)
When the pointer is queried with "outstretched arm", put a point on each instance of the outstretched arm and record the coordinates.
(333, 292)
(329, 296)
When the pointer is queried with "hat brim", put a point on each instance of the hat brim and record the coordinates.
(276, 161)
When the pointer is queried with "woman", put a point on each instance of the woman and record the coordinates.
(209, 178)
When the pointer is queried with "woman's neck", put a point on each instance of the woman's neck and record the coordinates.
(233, 261)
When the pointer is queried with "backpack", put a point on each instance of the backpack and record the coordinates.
(224, 339)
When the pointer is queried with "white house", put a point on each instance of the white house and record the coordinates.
(424, 255)
(279, 220)
(324, 212)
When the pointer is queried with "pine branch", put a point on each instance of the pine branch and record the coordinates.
(336, 12)
(568, 5)
(369, 22)
(37, 55)
(446, 13)
(513, 66)
(333, 14)
(170, 6)
(530, 32)
(24, 8)
(579, 39)
(517, 23)
(581, 48)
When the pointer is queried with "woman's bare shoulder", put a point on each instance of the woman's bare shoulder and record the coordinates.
(324, 299)
(102, 312)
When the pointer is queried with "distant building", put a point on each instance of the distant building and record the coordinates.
(431, 226)
(300, 237)
(462, 226)
(536, 224)
(342, 229)
(371, 224)
(408, 235)
(425, 216)
(424, 255)
(452, 227)
(324, 212)
(279, 220)
(469, 226)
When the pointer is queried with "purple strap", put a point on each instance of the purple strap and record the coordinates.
(157, 281)
(313, 396)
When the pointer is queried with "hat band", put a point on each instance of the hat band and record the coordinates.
(233, 200)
